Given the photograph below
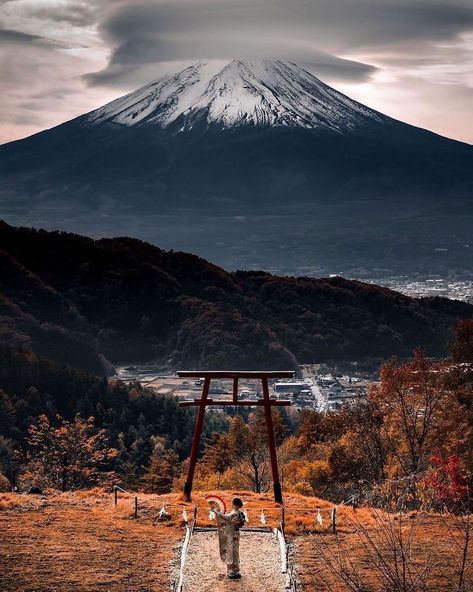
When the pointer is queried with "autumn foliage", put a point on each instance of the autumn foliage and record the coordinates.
(68, 455)
(407, 445)
(448, 482)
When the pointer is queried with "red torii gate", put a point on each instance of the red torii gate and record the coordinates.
(202, 403)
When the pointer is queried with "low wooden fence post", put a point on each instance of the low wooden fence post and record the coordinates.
(115, 490)
(282, 549)
(195, 518)
(334, 520)
(136, 507)
(185, 547)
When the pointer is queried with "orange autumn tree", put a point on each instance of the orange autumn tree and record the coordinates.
(218, 456)
(422, 416)
(240, 458)
(69, 455)
(382, 449)
(249, 446)
(163, 468)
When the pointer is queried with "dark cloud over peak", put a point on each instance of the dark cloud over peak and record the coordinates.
(138, 61)
(10, 36)
(79, 14)
(320, 33)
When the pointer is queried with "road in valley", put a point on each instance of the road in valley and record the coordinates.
(311, 379)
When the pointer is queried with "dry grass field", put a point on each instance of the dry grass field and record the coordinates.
(378, 552)
(79, 541)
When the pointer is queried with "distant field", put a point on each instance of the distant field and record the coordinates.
(79, 542)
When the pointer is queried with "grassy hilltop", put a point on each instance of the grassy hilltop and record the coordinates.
(79, 542)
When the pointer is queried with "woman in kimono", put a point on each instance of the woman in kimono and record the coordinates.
(229, 536)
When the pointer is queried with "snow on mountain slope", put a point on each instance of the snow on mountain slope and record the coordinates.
(258, 93)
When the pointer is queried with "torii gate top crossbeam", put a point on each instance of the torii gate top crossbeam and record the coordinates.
(238, 403)
(235, 374)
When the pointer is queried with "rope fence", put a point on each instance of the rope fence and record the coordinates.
(261, 519)
(264, 519)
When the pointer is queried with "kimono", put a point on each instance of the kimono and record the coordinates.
(229, 538)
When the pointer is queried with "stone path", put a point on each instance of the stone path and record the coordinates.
(260, 565)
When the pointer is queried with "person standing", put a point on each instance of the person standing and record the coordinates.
(229, 536)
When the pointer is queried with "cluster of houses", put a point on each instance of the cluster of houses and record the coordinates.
(337, 391)
(455, 289)
(299, 392)
(323, 392)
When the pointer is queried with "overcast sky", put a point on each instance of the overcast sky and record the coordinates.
(411, 59)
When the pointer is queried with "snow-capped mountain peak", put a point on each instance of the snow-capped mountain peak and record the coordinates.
(259, 93)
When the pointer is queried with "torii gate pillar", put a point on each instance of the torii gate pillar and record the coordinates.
(204, 401)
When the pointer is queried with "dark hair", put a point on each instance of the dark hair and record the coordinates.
(237, 502)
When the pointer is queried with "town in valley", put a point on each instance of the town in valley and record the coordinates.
(316, 386)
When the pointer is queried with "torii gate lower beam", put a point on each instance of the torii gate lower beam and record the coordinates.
(204, 401)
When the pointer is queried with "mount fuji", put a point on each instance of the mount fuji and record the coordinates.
(257, 93)
(251, 164)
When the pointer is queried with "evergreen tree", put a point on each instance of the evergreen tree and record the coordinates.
(8, 459)
(163, 469)
(217, 456)
(7, 415)
(130, 479)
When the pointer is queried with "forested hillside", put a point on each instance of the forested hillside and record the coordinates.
(83, 302)
(44, 393)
